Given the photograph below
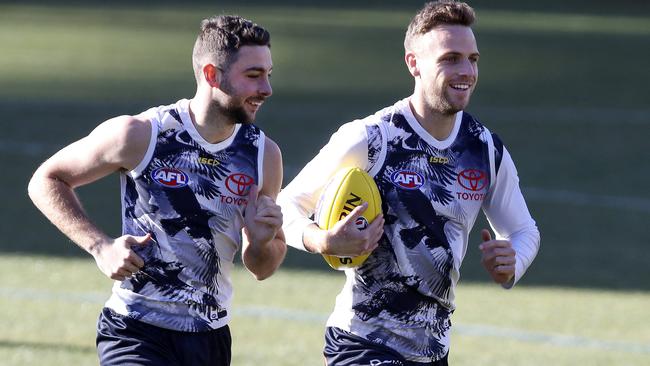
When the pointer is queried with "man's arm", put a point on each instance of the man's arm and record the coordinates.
(264, 246)
(508, 256)
(348, 147)
(119, 143)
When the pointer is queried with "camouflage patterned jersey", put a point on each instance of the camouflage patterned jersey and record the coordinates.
(432, 192)
(190, 195)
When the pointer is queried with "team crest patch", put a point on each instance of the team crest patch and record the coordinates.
(407, 179)
(170, 177)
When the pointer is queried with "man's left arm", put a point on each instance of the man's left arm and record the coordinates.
(264, 246)
(508, 256)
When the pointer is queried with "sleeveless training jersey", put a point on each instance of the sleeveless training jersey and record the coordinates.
(402, 296)
(190, 195)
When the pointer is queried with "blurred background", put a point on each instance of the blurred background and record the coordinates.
(564, 84)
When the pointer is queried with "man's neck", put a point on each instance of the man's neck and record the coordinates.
(208, 121)
(436, 124)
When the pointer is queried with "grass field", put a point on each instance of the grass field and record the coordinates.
(50, 307)
(563, 83)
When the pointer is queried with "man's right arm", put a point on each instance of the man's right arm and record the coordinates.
(348, 147)
(117, 144)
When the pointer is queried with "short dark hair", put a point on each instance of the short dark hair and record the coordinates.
(436, 13)
(220, 37)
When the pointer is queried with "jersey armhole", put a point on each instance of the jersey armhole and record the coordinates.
(260, 159)
(491, 157)
(150, 149)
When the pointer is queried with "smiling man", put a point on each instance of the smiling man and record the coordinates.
(198, 181)
(436, 167)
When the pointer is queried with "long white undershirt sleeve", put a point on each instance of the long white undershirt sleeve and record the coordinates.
(509, 217)
(348, 147)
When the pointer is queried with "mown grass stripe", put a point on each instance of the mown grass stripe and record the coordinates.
(296, 315)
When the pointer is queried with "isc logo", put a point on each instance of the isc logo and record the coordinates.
(407, 179)
(170, 177)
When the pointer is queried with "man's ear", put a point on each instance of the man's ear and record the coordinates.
(212, 75)
(412, 63)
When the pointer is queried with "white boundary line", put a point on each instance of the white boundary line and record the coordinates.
(302, 316)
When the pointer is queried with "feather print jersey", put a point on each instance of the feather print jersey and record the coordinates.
(190, 195)
(432, 192)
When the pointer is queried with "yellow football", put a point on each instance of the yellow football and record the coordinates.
(348, 188)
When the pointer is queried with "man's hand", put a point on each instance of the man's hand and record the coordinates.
(345, 239)
(497, 257)
(262, 218)
(117, 260)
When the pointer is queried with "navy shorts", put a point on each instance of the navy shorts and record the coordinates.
(346, 349)
(125, 341)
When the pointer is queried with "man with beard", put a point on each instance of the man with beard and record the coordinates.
(198, 180)
(436, 167)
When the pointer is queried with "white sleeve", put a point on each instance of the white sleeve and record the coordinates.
(348, 147)
(510, 219)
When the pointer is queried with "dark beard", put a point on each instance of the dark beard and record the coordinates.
(234, 113)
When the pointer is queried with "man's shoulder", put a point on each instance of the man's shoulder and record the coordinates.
(129, 127)
(271, 145)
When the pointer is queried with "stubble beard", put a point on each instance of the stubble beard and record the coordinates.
(441, 103)
(235, 113)
(234, 110)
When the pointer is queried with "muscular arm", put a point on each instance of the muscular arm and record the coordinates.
(119, 143)
(264, 246)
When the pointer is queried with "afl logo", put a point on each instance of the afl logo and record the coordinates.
(170, 177)
(472, 179)
(238, 183)
(407, 179)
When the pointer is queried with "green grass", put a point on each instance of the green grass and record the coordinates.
(50, 307)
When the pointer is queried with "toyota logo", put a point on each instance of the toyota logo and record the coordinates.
(472, 179)
(238, 183)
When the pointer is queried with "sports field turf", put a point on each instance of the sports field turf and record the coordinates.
(563, 85)
(50, 306)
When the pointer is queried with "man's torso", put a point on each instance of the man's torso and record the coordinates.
(432, 192)
(190, 195)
